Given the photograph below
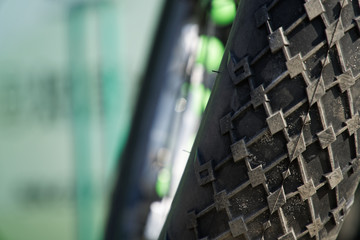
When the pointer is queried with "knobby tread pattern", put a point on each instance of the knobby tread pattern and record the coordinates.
(289, 143)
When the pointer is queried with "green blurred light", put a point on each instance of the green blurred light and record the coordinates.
(210, 52)
(163, 182)
(201, 96)
(223, 12)
(206, 97)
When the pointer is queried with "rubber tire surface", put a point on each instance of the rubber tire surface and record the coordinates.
(276, 156)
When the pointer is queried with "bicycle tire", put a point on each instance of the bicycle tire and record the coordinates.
(277, 154)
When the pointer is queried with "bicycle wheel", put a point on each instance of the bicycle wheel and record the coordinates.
(276, 156)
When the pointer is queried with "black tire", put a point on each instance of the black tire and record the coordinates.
(276, 156)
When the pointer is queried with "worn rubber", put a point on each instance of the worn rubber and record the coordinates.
(276, 156)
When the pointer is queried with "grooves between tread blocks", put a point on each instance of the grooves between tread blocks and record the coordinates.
(290, 161)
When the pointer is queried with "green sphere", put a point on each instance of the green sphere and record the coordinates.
(223, 12)
(210, 52)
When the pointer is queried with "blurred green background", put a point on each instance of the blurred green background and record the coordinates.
(67, 90)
